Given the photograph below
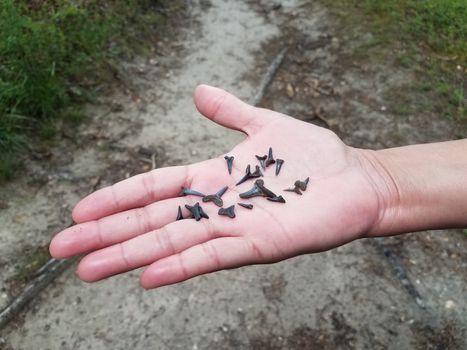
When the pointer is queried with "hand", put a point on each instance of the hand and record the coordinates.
(132, 223)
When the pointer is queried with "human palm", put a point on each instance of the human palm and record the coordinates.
(132, 223)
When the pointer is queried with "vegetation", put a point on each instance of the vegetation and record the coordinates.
(46, 47)
(430, 37)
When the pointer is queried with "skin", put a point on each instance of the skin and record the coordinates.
(353, 193)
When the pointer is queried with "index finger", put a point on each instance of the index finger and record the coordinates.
(137, 191)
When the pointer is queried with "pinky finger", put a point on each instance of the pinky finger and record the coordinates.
(210, 256)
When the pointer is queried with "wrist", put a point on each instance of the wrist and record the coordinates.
(419, 187)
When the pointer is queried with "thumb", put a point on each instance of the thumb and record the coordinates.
(227, 110)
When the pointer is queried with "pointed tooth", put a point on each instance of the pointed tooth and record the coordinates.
(221, 192)
(230, 211)
(229, 163)
(279, 163)
(179, 214)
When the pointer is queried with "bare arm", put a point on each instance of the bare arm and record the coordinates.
(422, 186)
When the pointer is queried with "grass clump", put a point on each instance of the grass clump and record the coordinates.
(432, 40)
(46, 48)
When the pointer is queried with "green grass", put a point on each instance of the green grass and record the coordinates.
(46, 47)
(430, 38)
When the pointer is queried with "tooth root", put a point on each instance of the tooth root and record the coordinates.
(213, 198)
(254, 192)
(279, 163)
(230, 211)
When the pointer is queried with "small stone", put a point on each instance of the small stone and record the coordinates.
(449, 304)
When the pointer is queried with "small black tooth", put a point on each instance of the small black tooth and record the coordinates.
(266, 192)
(278, 199)
(195, 211)
(179, 214)
(248, 206)
(253, 192)
(246, 176)
(221, 192)
(270, 159)
(257, 172)
(279, 163)
(230, 211)
(190, 192)
(229, 163)
(302, 184)
(214, 198)
(262, 161)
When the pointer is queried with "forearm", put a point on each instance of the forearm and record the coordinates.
(420, 187)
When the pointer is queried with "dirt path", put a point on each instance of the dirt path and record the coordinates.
(347, 298)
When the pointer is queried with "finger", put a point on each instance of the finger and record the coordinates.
(209, 256)
(229, 111)
(134, 192)
(145, 249)
(116, 228)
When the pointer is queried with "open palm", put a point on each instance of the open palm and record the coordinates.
(132, 223)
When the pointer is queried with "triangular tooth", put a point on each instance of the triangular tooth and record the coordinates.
(270, 159)
(279, 163)
(179, 214)
(230, 211)
(229, 163)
